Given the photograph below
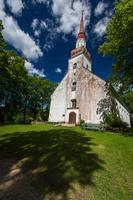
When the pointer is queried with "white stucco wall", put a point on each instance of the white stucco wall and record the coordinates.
(124, 114)
(74, 60)
(58, 103)
(81, 61)
(87, 63)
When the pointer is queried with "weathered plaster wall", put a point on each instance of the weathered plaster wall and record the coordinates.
(86, 63)
(77, 60)
(58, 103)
(81, 61)
(124, 114)
(90, 90)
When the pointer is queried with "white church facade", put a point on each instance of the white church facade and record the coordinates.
(76, 97)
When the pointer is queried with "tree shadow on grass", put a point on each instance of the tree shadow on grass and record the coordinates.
(46, 163)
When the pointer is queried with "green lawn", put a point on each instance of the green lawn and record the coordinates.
(44, 162)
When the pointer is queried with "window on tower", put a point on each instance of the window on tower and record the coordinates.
(74, 103)
(75, 66)
(74, 86)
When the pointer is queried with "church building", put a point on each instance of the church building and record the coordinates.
(76, 97)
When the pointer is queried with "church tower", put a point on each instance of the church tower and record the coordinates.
(80, 57)
(79, 60)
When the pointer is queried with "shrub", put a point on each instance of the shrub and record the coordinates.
(82, 122)
(114, 121)
(19, 119)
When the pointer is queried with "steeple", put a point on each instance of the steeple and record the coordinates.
(81, 33)
(81, 39)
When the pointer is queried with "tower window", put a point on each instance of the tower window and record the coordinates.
(74, 103)
(75, 66)
(74, 86)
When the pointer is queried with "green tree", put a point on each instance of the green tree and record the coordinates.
(36, 98)
(2, 42)
(21, 95)
(40, 92)
(12, 79)
(119, 43)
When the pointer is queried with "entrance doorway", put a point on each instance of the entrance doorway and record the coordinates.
(72, 118)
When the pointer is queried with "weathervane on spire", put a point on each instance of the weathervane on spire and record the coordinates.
(82, 7)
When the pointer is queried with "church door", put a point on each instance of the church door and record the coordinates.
(72, 118)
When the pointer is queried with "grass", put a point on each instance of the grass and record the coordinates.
(44, 162)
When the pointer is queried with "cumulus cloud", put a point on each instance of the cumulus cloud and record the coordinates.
(16, 6)
(100, 8)
(32, 70)
(20, 40)
(58, 70)
(68, 14)
(16, 37)
(100, 27)
(66, 18)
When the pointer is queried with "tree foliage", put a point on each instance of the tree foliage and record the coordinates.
(21, 95)
(119, 43)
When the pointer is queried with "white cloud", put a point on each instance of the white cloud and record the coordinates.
(38, 26)
(68, 14)
(37, 33)
(43, 24)
(16, 37)
(16, 6)
(58, 70)
(20, 40)
(100, 27)
(50, 40)
(2, 5)
(100, 8)
(34, 24)
(32, 70)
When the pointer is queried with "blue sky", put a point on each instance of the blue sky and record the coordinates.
(44, 32)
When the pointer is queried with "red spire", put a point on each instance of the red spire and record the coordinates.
(81, 33)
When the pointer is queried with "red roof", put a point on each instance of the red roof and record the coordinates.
(81, 33)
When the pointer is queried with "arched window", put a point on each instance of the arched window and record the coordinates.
(75, 66)
(74, 86)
